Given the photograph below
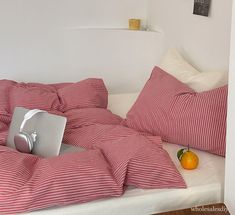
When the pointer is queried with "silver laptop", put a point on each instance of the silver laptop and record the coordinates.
(50, 131)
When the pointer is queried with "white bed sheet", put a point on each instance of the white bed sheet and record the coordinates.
(120, 104)
(205, 184)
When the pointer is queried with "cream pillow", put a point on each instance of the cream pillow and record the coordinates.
(176, 65)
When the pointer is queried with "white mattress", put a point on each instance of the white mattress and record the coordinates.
(205, 184)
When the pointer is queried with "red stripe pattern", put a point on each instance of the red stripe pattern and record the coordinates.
(90, 116)
(170, 109)
(116, 155)
(88, 93)
(135, 158)
(146, 164)
(61, 97)
(31, 183)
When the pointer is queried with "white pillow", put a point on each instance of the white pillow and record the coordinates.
(177, 66)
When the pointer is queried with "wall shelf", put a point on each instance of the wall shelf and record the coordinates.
(112, 29)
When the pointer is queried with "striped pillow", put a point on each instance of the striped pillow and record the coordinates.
(169, 108)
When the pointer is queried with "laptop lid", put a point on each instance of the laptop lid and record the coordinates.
(49, 128)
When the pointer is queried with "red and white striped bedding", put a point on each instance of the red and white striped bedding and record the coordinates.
(170, 109)
(116, 156)
(52, 97)
(30, 183)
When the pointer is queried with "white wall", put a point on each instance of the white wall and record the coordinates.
(41, 41)
(230, 154)
(49, 14)
(203, 40)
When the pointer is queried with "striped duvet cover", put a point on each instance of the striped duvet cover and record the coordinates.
(115, 156)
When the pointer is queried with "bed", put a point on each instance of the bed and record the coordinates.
(205, 185)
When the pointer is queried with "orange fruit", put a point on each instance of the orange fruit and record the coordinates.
(188, 159)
